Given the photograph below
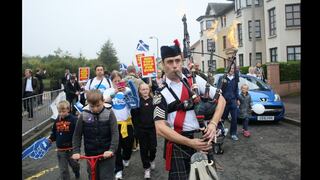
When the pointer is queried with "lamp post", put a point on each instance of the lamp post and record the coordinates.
(154, 37)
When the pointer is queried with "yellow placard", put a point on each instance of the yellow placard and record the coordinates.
(84, 74)
(138, 58)
(148, 66)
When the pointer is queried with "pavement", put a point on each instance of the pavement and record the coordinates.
(292, 104)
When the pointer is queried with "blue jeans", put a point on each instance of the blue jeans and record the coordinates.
(245, 123)
(231, 107)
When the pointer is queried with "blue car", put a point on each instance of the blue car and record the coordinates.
(261, 93)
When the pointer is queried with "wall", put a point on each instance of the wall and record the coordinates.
(282, 88)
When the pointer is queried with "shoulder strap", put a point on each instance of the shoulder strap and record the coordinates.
(99, 83)
(90, 83)
(108, 80)
(97, 86)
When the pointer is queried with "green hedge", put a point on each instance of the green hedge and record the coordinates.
(290, 71)
(46, 84)
(243, 70)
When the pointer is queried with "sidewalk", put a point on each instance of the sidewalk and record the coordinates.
(292, 106)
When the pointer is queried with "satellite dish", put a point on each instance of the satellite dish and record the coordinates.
(258, 108)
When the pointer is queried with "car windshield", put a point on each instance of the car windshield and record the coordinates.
(252, 82)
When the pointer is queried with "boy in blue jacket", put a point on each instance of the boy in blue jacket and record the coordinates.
(62, 132)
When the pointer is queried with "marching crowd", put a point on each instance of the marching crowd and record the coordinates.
(111, 126)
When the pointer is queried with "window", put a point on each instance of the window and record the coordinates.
(223, 21)
(273, 54)
(272, 22)
(257, 29)
(210, 45)
(202, 48)
(239, 26)
(241, 60)
(293, 53)
(249, 3)
(201, 26)
(202, 66)
(258, 58)
(212, 65)
(293, 15)
(224, 42)
(209, 24)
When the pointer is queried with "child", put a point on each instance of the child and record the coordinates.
(98, 126)
(116, 96)
(146, 129)
(251, 71)
(62, 132)
(245, 108)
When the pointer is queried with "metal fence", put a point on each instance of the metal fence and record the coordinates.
(36, 110)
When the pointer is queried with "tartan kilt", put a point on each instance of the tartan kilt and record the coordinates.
(180, 162)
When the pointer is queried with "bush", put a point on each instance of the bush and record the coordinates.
(46, 84)
(219, 70)
(244, 70)
(290, 71)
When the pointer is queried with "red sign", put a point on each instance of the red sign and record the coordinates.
(138, 57)
(84, 74)
(148, 66)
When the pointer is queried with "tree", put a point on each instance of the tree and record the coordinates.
(108, 56)
(58, 52)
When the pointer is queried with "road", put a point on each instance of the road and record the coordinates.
(272, 152)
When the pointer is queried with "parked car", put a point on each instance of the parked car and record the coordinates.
(261, 93)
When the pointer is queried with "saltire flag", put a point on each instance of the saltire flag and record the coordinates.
(123, 67)
(38, 149)
(142, 46)
(132, 98)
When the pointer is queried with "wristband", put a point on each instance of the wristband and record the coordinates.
(214, 123)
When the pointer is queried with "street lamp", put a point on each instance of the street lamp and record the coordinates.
(154, 37)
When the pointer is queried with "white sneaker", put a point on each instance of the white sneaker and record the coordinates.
(119, 175)
(125, 163)
(153, 164)
(147, 173)
(226, 131)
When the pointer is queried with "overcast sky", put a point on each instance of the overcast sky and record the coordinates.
(85, 25)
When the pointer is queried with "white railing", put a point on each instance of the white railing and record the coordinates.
(37, 110)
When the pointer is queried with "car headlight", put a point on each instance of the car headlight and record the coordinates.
(277, 97)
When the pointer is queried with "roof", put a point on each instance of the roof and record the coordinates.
(195, 44)
(219, 8)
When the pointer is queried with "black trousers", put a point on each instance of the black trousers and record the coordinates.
(28, 103)
(124, 150)
(72, 102)
(39, 98)
(148, 145)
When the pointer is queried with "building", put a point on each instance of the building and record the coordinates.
(277, 31)
(283, 34)
(213, 33)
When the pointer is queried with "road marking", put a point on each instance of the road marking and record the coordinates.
(41, 173)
